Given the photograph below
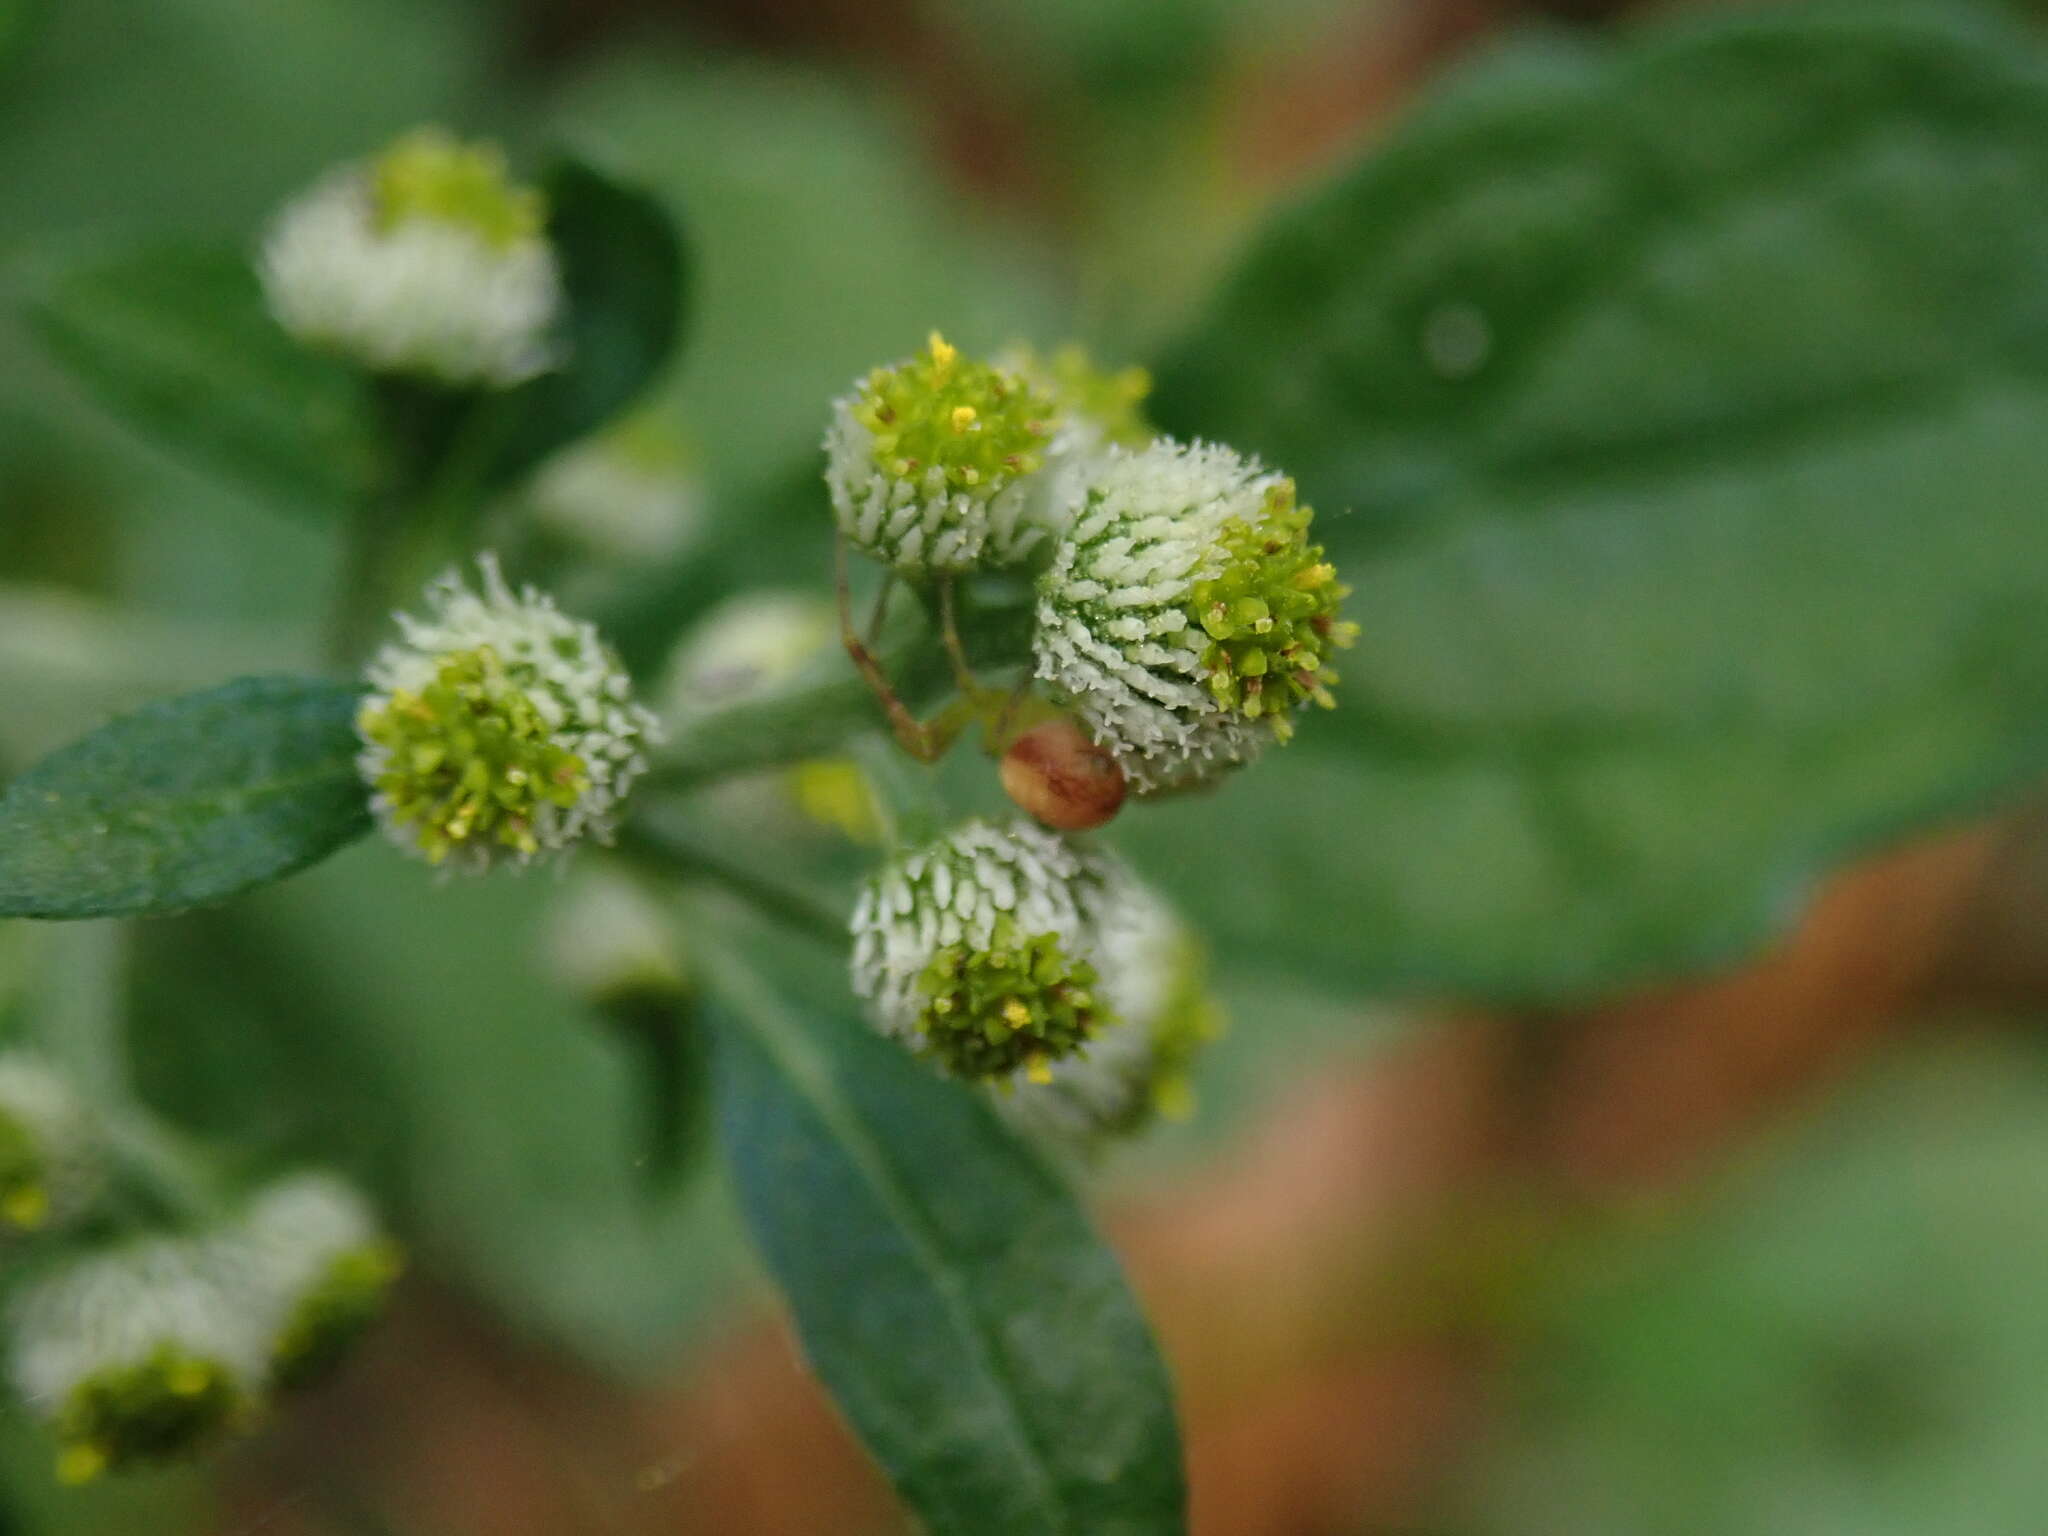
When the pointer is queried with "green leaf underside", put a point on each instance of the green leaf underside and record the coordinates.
(624, 270)
(945, 1284)
(176, 343)
(1686, 400)
(184, 802)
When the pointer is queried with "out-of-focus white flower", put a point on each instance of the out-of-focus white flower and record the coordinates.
(627, 495)
(609, 939)
(498, 727)
(426, 261)
(1185, 616)
(311, 1253)
(52, 1163)
(143, 1352)
(745, 646)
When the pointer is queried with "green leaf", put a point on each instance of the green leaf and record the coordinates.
(1675, 412)
(1842, 1335)
(175, 341)
(945, 1284)
(624, 272)
(184, 802)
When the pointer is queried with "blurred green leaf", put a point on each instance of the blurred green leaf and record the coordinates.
(177, 344)
(625, 273)
(945, 1284)
(414, 1031)
(827, 243)
(1844, 1338)
(1674, 408)
(184, 802)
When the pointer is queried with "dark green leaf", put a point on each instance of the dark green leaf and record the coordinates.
(184, 802)
(624, 271)
(177, 344)
(1675, 410)
(946, 1286)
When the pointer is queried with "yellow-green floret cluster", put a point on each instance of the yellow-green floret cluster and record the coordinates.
(430, 174)
(1185, 614)
(499, 728)
(1021, 1003)
(935, 464)
(427, 261)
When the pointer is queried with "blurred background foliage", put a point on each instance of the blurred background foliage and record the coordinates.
(1581, 1264)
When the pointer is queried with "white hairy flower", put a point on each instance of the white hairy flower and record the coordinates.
(940, 463)
(316, 1263)
(1185, 616)
(498, 727)
(425, 261)
(139, 1352)
(979, 950)
(52, 1167)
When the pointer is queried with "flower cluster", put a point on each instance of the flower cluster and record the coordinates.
(157, 1346)
(1186, 615)
(498, 728)
(1009, 955)
(427, 261)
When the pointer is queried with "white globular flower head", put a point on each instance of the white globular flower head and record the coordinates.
(1185, 616)
(978, 951)
(52, 1162)
(1153, 974)
(318, 1265)
(427, 261)
(143, 1352)
(938, 464)
(498, 727)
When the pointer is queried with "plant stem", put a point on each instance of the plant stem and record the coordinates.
(662, 848)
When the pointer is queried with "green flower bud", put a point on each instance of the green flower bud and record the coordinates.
(980, 951)
(52, 1166)
(140, 1353)
(499, 728)
(1186, 616)
(428, 261)
(323, 1268)
(935, 464)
